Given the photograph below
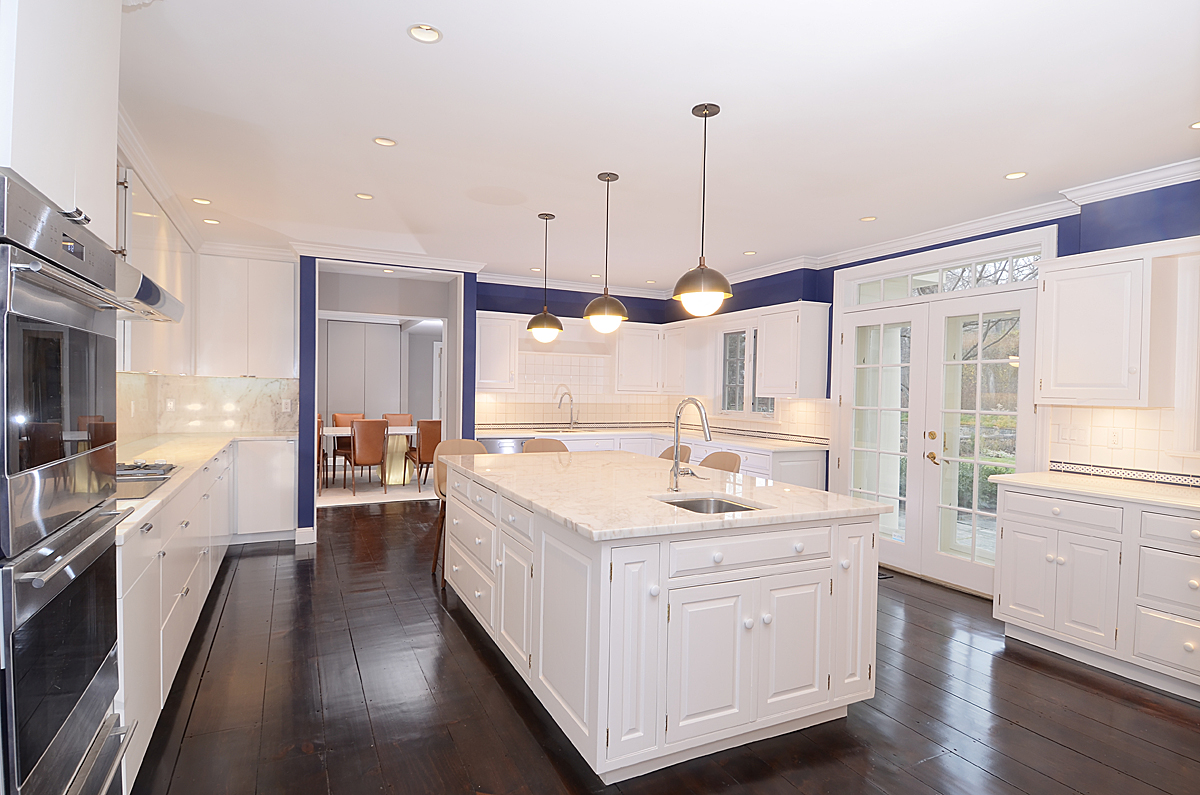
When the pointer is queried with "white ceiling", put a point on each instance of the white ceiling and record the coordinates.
(912, 112)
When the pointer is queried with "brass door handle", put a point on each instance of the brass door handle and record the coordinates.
(933, 457)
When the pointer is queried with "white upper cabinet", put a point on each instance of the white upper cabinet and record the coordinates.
(639, 358)
(674, 361)
(793, 351)
(271, 321)
(496, 352)
(59, 98)
(245, 317)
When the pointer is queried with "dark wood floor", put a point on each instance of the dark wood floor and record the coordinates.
(340, 668)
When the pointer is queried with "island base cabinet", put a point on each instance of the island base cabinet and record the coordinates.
(635, 620)
(855, 574)
(793, 668)
(514, 614)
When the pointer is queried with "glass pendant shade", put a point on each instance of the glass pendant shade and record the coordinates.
(545, 327)
(605, 313)
(702, 290)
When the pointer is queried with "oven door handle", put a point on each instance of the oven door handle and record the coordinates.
(75, 283)
(84, 775)
(40, 578)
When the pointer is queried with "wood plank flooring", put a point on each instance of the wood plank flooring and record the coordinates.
(340, 668)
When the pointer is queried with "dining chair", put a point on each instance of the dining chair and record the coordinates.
(341, 444)
(423, 454)
(448, 447)
(99, 435)
(45, 442)
(724, 460)
(322, 456)
(368, 448)
(544, 446)
(81, 424)
(685, 453)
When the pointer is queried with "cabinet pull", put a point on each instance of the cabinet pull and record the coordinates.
(1194, 584)
(162, 553)
(204, 552)
(206, 496)
(187, 590)
(1196, 534)
(478, 594)
(454, 567)
(206, 469)
(512, 519)
(499, 562)
(655, 590)
(1060, 561)
(767, 618)
(845, 564)
(478, 540)
(1189, 646)
(748, 623)
(147, 527)
(1050, 557)
(185, 524)
(1056, 511)
(799, 547)
(718, 557)
(455, 521)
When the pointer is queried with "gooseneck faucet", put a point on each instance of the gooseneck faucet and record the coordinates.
(567, 394)
(675, 470)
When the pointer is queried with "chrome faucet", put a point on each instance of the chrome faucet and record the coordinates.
(567, 394)
(675, 470)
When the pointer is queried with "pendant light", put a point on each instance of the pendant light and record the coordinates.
(606, 313)
(545, 327)
(702, 289)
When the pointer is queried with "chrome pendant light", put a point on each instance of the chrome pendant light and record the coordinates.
(606, 313)
(545, 327)
(702, 289)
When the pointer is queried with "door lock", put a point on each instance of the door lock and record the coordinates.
(932, 456)
(933, 434)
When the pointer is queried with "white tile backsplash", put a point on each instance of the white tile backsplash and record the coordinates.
(1146, 438)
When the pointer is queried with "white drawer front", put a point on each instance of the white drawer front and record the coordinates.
(516, 517)
(459, 483)
(482, 499)
(1170, 640)
(754, 549)
(756, 463)
(179, 558)
(1065, 513)
(184, 608)
(1170, 577)
(586, 445)
(1171, 528)
(138, 551)
(471, 585)
(472, 533)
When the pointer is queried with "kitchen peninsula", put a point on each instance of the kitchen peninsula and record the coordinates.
(654, 633)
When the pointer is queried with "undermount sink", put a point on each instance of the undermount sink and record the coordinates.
(708, 505)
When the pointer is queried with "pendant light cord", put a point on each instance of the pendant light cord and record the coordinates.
(545, 266)
(607, 193)
(703, 184)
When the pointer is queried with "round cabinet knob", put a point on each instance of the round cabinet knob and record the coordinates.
(1050, 558)
(655, 590)
(1189, 646)
(499, 562)
(1194, 584)
(799, 546)
(1056, 511)
(454, 567)
(1060, 561)
(478, 540)
(512, 519)
(718, 557)
(455, 521)
(478, 594)
(748, 623)
(767, 618)
(479, 498)
(845, 564)
(1132, 370)
(1196, 534)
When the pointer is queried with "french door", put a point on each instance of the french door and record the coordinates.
(933, 403)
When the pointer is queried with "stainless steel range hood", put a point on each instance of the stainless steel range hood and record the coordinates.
(139, 292)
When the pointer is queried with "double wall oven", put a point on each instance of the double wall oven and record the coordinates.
(58, 590)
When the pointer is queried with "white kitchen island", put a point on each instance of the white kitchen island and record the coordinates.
(653, 634)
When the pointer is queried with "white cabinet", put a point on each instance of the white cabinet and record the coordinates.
(266, 486)
(496, 353)
(138, 658)
(674, 361)
(592, 443)
(855, 572)
(514, 615)
(709, 658)
(793, 658)
(801, 467)
(792, 358)
(643, 445)
(1027, 574)
(220, 520)
(245, 317)
(59, 103)
(271, 321)
(639, 358)
(635, 598)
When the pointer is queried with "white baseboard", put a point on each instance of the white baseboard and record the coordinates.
(263, 538)
(306, 535)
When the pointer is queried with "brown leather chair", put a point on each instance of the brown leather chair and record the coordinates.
(322, 456)
(99, 435)
(423, 454)
(368, 448)
(401, 421)
(723, 459)
(448, 447)
(45, 442)
(544, 446)
(341, 444)
(685, 453)
(84, 420)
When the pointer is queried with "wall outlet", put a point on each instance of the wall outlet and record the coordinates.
(287, 406)
(170, 404)
(1114, 438)
(132, 408)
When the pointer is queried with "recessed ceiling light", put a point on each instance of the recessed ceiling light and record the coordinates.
(536, 270)
(426, 34)
(388, 270)
(201, 201)
(212, 221)
(1015, 175)
(595, 276)
(749, 253)
(649, 281)
(385, 142)
(867, 218)
(1196, 126)
(364, 196)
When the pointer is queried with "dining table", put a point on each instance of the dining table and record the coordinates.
(399, 468)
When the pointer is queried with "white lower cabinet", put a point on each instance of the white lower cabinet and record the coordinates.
(855, 574)
(643, 445)
(635, 596)
(514, 616)
(138, 636)
(266, 475)
(793, 655)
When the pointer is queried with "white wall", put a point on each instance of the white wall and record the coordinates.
(420, 375)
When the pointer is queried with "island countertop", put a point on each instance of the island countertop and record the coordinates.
(610, 495)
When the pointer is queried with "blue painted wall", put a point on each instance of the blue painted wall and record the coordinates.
(563, 303)
(1161, 214)
(306, 448)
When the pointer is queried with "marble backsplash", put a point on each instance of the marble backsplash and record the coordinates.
(153, 404)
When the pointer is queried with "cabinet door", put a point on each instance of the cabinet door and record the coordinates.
(793, 656)
(266, 486)
(638, 360)
(1090, 334)
(710, 630)
(855, 589)
(638, 444)
(271, 326)
(514, 626)
(635, 615)
(674, 361)
(496, 354)
(139, 660)
(221, 309)
(345, 387)
(803, 469)
(1085, 604)
(1027, 573)
(220, 521)
(381, 376)
(778, 361)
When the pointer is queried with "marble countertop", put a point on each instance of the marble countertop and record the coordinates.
(1184, 497)
(188, 452)
(611, 495)
(687, 436)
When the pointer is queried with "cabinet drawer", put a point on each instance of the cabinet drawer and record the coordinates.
(482, 499)
(754, 549)
(179, 557)
(471, 585)
(516, 517)
(459, 483)
(184, 609)
(138, 550)
(1170, 528)
(472, 533)
(1167, 639)
(1170, 577)
(590, 445)
(755, 463)
(1063, 513)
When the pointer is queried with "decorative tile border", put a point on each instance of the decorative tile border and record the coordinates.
(1119, 473)
(651, 426)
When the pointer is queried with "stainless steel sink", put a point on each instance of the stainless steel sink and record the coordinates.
(709, 505)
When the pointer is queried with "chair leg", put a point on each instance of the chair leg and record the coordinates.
(383, 472)
(437, 550)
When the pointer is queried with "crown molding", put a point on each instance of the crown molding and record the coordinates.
(772, 268)
(248, 252)
(132, 150)
(578, 287)
(1151, 178)
(380, 256)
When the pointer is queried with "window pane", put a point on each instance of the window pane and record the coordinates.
(764, 405)
(866, 428)
(866, 386)
(925, 283)
(956, 279)
(893, 475)
(998, 387)
(960, 435)
(894, 383)
(998, 437)
(958, 483)
(1025, 267)
(985, 538)
(987, 489)
(868, 293)
(896, 343)
(891, 525)
(962, 338)
(865, 471)
(866, 347)
(954, 537)
(991, 272)
(1001, 335)
(960, 387)
(893, 431)
(895, 287)
(733, 371)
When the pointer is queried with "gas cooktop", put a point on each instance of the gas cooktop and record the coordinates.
(139, 468)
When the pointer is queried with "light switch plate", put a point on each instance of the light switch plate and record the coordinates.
(287, 405)
(1114, 438)
(170, 404)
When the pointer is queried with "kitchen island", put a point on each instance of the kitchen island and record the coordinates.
(652, 633)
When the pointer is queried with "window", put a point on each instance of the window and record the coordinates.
(990, 272)
(738, 359)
